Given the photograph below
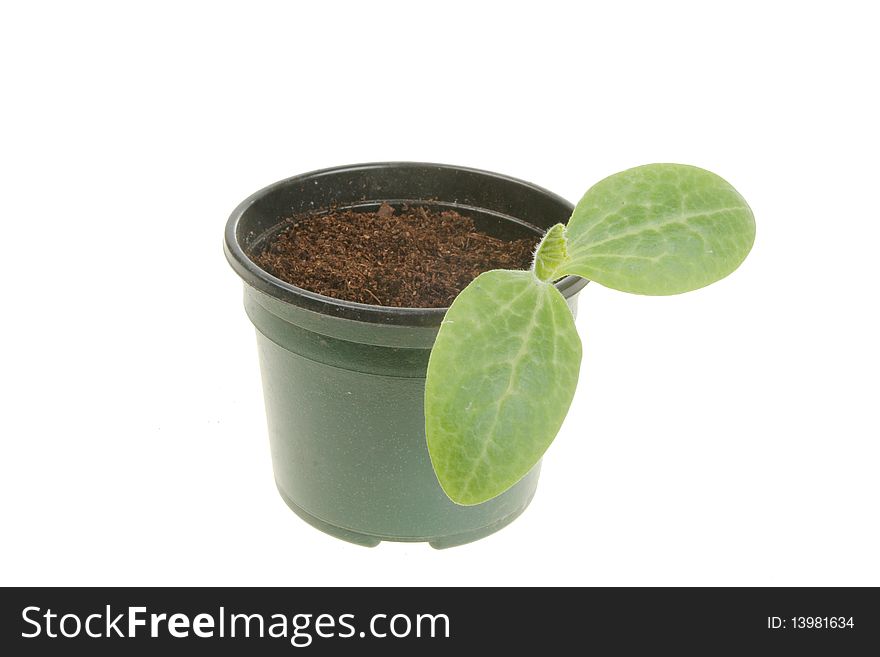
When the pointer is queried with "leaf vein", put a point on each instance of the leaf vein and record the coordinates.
(658, 225)
(502, 399)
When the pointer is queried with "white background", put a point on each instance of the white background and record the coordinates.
(727, 436)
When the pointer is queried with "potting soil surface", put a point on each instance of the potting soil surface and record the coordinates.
(404, 257)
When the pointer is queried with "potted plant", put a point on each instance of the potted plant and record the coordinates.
(429, 424)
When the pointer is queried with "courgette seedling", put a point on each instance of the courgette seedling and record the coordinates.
(505, 364)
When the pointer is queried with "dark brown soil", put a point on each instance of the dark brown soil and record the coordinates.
(409, 257)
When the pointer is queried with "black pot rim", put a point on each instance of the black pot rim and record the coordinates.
(262, 280)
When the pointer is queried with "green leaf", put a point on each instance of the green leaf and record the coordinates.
(659, 229)
(551, 254)
(501, 377)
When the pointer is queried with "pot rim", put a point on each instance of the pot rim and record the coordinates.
(262, 280)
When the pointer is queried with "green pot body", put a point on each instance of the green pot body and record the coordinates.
(344, 382)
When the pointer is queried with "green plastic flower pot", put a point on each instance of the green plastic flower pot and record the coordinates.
(344, 381)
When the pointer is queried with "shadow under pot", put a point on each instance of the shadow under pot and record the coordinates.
(344, 381)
